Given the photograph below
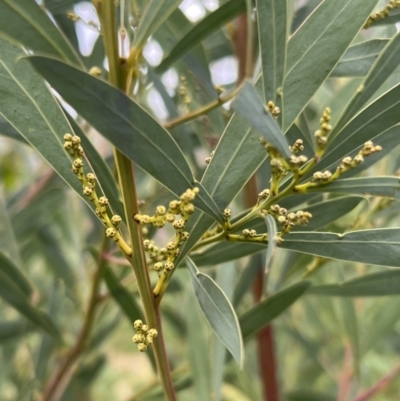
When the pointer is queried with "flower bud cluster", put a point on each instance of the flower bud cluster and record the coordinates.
(176, 215)
(183, 91)
(325, 128)
(289, 219)
(144, 336)
(383, 13)
(273, 109)
(73, 146)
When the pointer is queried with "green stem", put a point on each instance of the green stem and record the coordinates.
(126, 178)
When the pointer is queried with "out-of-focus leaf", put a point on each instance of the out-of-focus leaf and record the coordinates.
(11, 292)
(378, 186)
(315, 49)
(155, 14)
(249, 106)
(26, 22)
(305, 395)
(14, 329)
(374, 119)
(385, 317)
(358, 59)
(263, 313)
(272, 232)
(126, 125)
(201, 30)
(197, 352)
(30, 108)
(370, 285)
(387, 61)
(8, 243)
(249, 273)
(218, 311)
(15, 275)
(272, 33)
(122, 297)
(56, 259)
(375, 247)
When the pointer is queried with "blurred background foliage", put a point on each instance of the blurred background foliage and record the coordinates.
(50, 234)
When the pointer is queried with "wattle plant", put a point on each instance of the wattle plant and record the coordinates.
(176, 212)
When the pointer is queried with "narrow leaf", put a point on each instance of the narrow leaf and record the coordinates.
(385, 64)
(370, 285)
(31, 109)
(272, 232)
(358, 59)
(263, 313)
(375, 247)
(272, 31)
(13, 330)
(155, 14)
(316, 47)
(198, 356)
(26, 22)
(250, 107)
(206, 27)
(15, 275)
(218, 311)
(377, 186)
(122, 297)
(12, 294)
(126, 125)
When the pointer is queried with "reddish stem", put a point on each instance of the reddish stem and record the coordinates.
(347, 373)
(379, 386)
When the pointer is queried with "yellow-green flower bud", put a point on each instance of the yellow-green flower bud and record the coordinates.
(178, 224)
(149, 340)
(68, 137)
(95, 71)
(137, 324)
(111, 232)
(135, 338)
(158, 266)
(103, 201)
(188, 209)
(227, 213)
(87, 191)
(116, 220)
(184, 236)
(76, 140)
(91, 177)
(146, 243)
(145, 328)
(78, 163)
(169, 266)
(174, 205)
(171, 246)
(142, 347)
(67, 145)
(153, 333)
(161, 210)
(170, 218)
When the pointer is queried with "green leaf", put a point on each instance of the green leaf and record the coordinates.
(249, 106)
(376, 118)
(14, 329)
(15, 275)
(387, 61)
(26, 22)
(377, 186)
(315, 49)
(10, 291)
(197, 352)
(207, 26)
(375, 247)
(358, 59)
(155, 14)
(272, 32)
(126, 125)
(218, 311)
(6, 129)
(385, 316)
(59, 6)
(272, 233)
(225, 278)
(370, 285)
(122, 297)
(31, 109)
(306, 395)
(263, 313)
